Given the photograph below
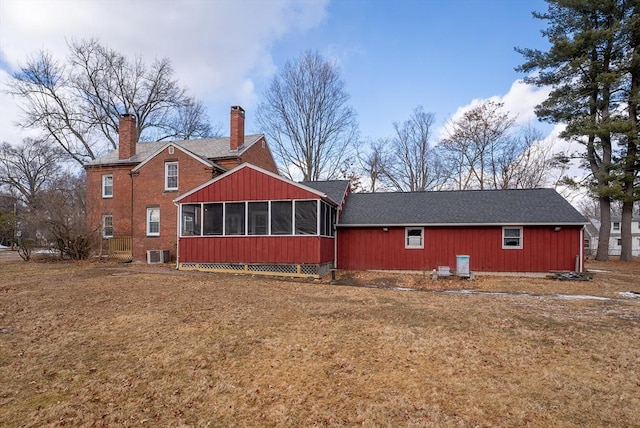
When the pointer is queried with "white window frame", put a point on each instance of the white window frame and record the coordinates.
(520, 238)
(150, 211)
(104, 186)
(166, 175)
(104, 226)
(616, 226)
(407, 242)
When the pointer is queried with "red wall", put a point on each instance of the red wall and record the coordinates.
(247, 184)
(256, 249)
(543, 249)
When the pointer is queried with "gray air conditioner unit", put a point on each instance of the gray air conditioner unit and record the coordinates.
(158, 256)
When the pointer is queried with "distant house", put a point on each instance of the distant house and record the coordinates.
(130, 191)
(251, 220)
(533, 230)
(615, 237)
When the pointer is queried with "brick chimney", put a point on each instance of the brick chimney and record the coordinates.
(127, 136)
(236, 137)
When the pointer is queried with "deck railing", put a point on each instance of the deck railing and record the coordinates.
(121, 248)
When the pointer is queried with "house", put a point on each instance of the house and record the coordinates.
(615, 237)
(528, 230)
(130, 191)
(251, 220)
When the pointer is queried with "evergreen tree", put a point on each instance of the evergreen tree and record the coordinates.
(589, 68)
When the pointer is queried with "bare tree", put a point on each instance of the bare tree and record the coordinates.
(413, 164)
(29, 168)
(477, 144)
(372, 162)
(305, 114)
(76, 103)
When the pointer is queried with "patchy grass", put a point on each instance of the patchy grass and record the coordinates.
(84, 344)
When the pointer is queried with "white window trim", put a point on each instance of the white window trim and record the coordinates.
(104, 217)
(104, 179)
(512, 247)
(615, 226)
(149, 210)
(406, 238)
(166, 176)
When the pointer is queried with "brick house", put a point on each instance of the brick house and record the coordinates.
(130, 191)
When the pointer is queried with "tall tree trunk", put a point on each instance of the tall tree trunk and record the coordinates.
(626, 250)
(605, 228)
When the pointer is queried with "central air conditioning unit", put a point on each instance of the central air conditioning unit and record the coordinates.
(158, 256)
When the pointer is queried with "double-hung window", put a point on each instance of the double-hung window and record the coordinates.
(107, 226)
(153, 221)
(414, 237)
(171, 176)
(512, 238)
(107, 186)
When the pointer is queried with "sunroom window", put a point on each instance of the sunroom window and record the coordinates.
(306, 218)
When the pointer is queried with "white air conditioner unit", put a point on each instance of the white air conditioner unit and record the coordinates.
(158, 256)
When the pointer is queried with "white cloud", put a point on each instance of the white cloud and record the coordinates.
(520, 102)
(218, 48)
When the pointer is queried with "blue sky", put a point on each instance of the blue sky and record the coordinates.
(393, 55)
(439, 54)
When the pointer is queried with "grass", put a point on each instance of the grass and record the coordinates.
(88, 344)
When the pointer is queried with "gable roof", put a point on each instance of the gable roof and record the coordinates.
(463, 207)
(334, 189)
(206, 148)
(160, 149)
(319, 193)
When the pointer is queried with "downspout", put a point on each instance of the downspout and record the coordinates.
(177, 235)
(582, 249)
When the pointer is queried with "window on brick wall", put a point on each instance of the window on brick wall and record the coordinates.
(153, 221)
(107, 186)
(171, 176)
(107, 226)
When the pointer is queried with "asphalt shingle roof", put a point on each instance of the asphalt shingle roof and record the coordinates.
(489, 207)
(207, 148)
(334, 189)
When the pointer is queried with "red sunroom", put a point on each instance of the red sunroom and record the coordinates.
(253, 221)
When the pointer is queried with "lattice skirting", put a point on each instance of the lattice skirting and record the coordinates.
(295, 270)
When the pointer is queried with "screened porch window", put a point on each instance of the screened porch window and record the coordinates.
(213, 219)
(234, 218)
(281, 218)
(191, 220)
(306, 218)
(258, 217)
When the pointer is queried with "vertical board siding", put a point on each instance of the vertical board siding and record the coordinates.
(543, 249)
(247, 184)
(256, 249)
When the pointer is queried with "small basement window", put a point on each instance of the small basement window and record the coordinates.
(414, 237)
(511, 238)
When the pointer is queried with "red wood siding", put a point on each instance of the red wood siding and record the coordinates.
(543, 249)
(247, 184)
(256, 249)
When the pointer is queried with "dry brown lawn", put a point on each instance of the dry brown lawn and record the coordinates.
(101, 344)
